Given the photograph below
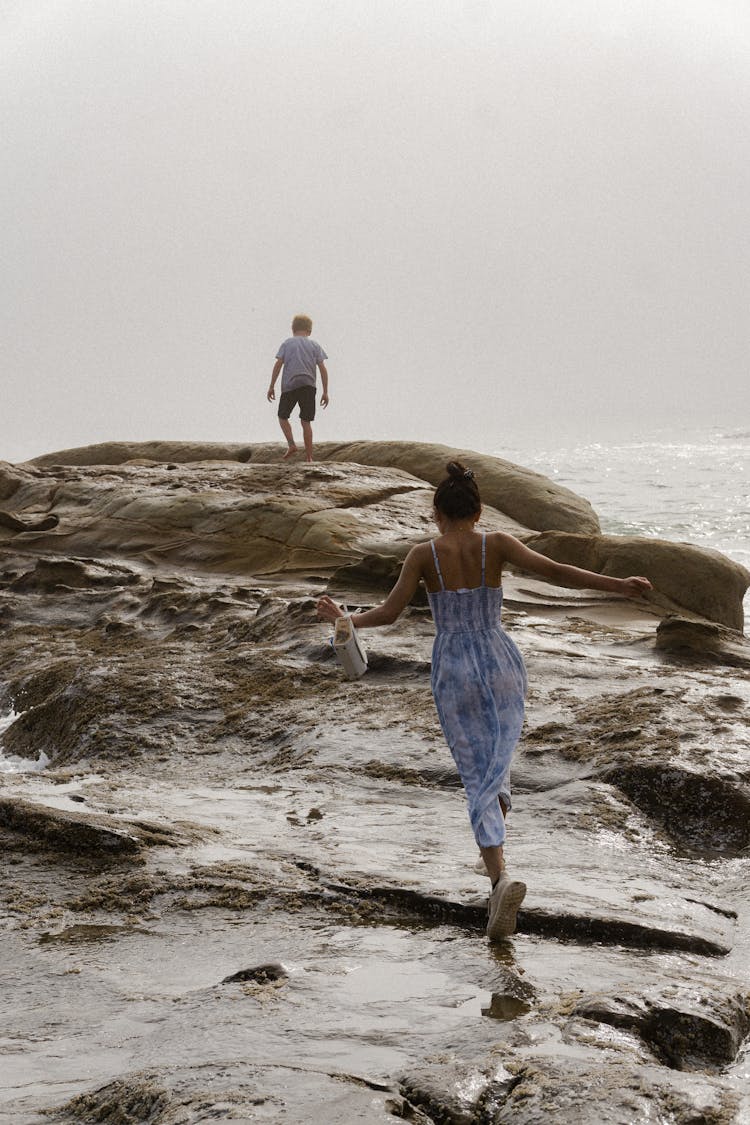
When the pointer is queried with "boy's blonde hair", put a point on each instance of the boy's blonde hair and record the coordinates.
(302, 324)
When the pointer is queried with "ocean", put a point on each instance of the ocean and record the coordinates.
(690, 486)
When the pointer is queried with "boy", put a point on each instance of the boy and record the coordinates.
(299, 356)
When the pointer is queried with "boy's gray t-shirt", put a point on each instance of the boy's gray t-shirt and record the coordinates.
(301, 355)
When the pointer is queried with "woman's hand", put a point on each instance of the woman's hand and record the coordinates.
(635, 587)
(328, 610)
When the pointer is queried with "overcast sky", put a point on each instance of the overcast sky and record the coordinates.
(505, 217)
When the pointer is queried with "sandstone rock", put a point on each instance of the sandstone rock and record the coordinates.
(12, 481)
(565, 924)
(564, 1087)
(15, 522)
(259, 974)
(251, 519)
(529, 498)
(407, 961)
(677, 799)
(702, 640)
(688, 1031)
(456, 1094)
(136, 653)
(76, 832)
(234, 1089)
(120, 452)
(696, 578)
(141, 1098)
(55, 574)
(264, 517)
(372, 573)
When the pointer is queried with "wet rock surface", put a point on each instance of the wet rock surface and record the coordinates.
(704, 640)
(69, 831)
(686, 1030)
(236, 886)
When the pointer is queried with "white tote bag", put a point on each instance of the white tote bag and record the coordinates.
(349, 649)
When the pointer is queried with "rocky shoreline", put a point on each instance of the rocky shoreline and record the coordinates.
(238, 887)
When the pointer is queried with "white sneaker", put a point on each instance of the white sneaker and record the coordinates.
(503, 906)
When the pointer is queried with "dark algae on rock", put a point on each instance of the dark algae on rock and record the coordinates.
(237, 887)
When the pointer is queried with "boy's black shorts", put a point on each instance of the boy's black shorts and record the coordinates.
(305, 396)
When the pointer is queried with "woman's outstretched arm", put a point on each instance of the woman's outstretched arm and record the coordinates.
(515, 552)
(394, 604)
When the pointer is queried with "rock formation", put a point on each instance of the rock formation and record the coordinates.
(237, 886)
(695, 578)
(526, 497)
(263, 517)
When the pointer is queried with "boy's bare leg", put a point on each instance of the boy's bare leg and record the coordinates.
(286, 429)
(307, 435)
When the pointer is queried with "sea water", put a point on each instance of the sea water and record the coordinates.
(689, 486)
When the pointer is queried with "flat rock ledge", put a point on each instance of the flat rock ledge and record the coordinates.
(315, 948)
(237, 509)
(76, 833)
(527, 497)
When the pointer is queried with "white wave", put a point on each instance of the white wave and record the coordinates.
(12, 763)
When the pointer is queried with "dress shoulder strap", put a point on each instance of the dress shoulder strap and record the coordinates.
(437, 564)
(484, 554)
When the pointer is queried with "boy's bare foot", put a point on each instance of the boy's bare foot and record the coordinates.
(309, 460)
(290, 452)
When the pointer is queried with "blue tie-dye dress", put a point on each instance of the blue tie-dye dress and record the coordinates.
(479, 685)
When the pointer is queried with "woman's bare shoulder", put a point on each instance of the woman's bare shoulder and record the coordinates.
(502, 545)
(421, 552)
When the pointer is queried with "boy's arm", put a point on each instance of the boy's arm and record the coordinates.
(274, 376)
(324, 399)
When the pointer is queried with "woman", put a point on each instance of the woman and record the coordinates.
(478, 674)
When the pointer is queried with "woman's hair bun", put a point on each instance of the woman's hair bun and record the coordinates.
(457, 471)
(457, 496)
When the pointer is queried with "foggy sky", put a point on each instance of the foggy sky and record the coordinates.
(504, 217)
